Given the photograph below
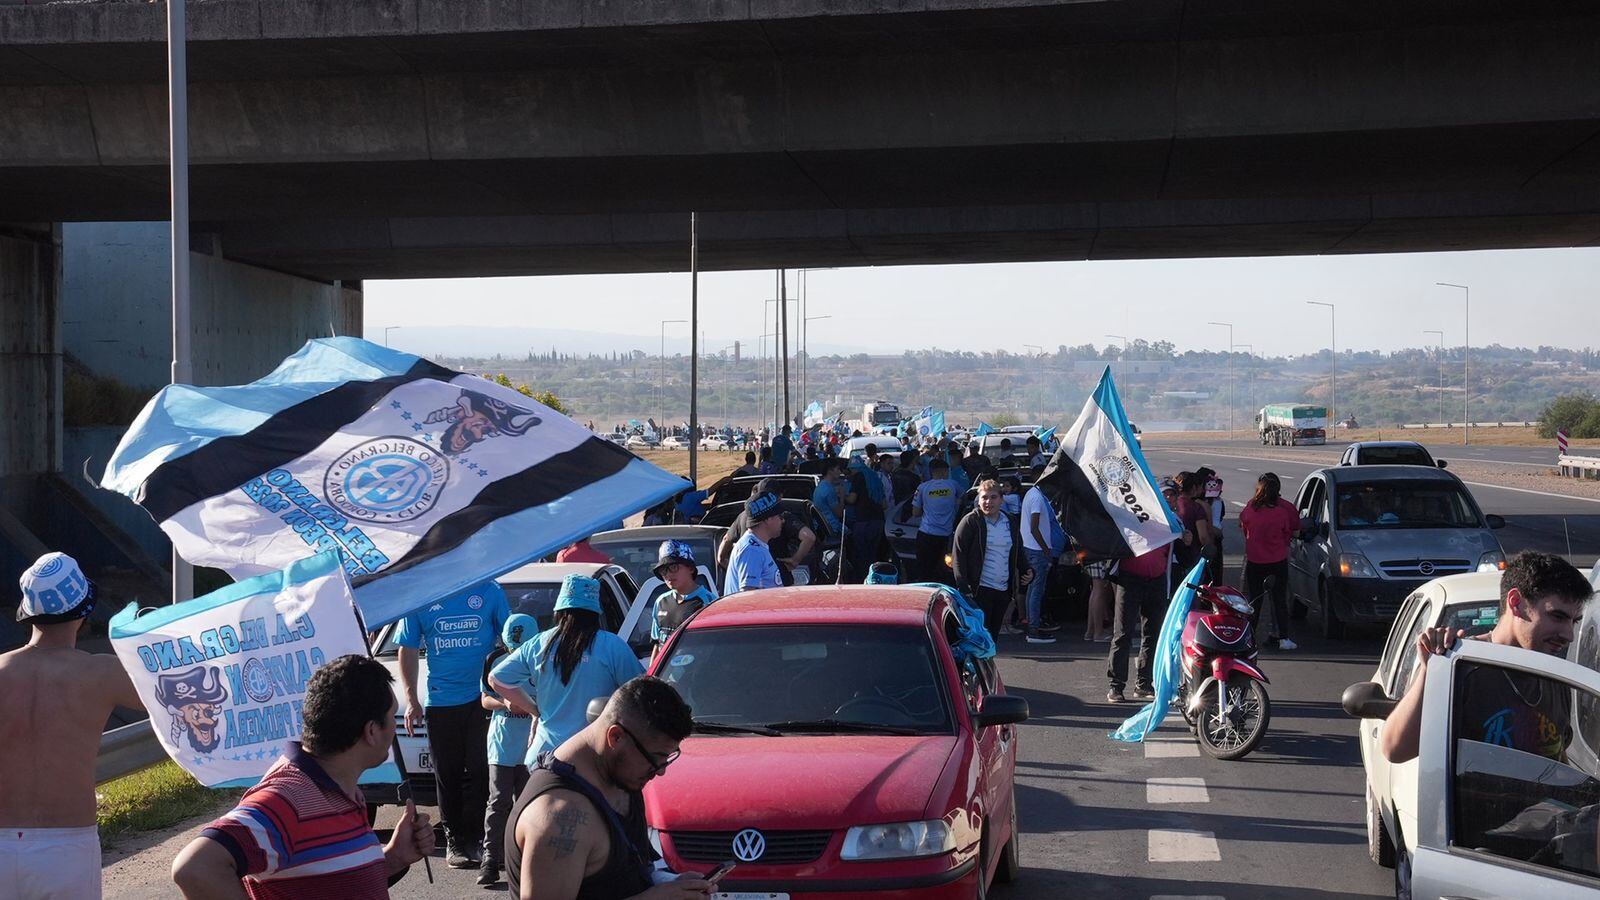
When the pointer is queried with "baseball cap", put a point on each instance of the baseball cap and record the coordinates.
(579, 592)
(519, 627)
(54, 590)
(761, 507)
(1167, 483)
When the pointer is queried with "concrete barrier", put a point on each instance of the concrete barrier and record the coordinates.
(1579, 466)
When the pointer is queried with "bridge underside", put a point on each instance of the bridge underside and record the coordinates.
(413, 139)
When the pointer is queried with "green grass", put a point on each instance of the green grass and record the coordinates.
(158, 797)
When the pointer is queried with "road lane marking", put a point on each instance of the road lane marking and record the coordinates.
(1170, 748)
(1187, 897)
(1176, 790)
(1180, 845)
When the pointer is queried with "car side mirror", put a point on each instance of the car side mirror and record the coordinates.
(1442, 464)
(1495, 521)
(1000, 709)
(1366, 700)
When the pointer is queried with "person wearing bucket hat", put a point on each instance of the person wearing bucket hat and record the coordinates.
(509, 733)
(751, 566)
(459, 633)
(675, 565)
(54, 701)
(556, 674)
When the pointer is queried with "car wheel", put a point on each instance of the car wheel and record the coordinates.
(982, 890)
(1328, 621)
(1402, 875)
(1379, 846)
(1011, 854)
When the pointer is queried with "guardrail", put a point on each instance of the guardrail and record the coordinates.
(126, 750)
(1579, 466)
(1450, 425)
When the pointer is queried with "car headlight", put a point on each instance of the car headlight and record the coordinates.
(1354, 565)
(1493, 561)
(901, 840)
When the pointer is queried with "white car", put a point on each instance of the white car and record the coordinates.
(613, 437)
(1468, 602)
(714, 442)
(674, 442)
(531, 589)
(641, 442)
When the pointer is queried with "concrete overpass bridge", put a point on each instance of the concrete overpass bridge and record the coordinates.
(406, 138)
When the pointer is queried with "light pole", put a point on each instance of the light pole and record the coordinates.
(1231, 403)
(1441, 369)
(1250, 375)
(1333, 360)
(661, 385)
(805, 330)
(1124, 357)
(386, 330)
(1466, 357)
(805, 354)
(178, 175)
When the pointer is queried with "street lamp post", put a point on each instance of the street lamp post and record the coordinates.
(1124, 357)
(805, 354)
(1441, 369)
(1333, 360)
(1249, 376)
(661, 385)
(1231, 404)
(1466, 358)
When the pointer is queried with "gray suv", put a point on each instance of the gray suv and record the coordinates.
(1374, 534)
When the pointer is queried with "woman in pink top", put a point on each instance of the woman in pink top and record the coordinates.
(1269, 522)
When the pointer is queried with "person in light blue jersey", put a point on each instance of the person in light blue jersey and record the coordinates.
(459, 632)
(509, 733)
(751, 566)
(555, 675)
(782, 448)
(828, 499)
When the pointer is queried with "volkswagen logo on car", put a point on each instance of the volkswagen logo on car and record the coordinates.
(749, 845)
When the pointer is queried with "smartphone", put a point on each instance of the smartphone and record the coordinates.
(721, 872)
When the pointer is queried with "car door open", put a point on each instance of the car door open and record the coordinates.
(1502, 812)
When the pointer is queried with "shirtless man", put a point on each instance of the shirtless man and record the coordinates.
(54, 701)
(578, 830)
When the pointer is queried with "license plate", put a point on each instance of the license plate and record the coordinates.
(748, 895)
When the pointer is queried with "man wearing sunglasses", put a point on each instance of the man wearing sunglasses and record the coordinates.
(578, 830)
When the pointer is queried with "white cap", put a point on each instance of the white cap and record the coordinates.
(55, 590)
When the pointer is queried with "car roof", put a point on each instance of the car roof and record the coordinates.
(1351, 474)
(543, 571)
(821, 604)
(1471, 587)
(657, 533)
(1387, 444)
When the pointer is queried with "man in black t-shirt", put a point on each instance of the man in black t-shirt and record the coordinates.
(792, 548)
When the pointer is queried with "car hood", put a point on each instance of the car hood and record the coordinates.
(797, 782)
(1379, 544)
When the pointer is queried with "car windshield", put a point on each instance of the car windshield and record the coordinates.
(638, 555)
(537, 599)
(1405, 504)
(813, 674)
(1398, 456)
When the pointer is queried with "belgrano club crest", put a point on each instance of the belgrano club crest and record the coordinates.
(390, 479)
(1115, 474)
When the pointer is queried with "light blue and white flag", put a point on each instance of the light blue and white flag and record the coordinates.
(983, 429)
(929, 423)
(1166, 668)
(423, 479)
(224, 675)
(1046, 435)
(1101, 486)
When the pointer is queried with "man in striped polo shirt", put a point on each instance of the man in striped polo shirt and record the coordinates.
(302, 831)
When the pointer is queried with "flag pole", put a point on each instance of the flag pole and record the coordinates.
(178, 153)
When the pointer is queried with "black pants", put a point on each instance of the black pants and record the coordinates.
(458, 736)
(930, 558)
(993, 603)
(1255, 584)
(1140, 603)
(505, 784)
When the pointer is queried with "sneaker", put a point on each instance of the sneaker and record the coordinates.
(1144, 693)
(1115, 696)
(1049, 625)
(1286, 644)
(488, 874)
(1039, 637)
(455, 857)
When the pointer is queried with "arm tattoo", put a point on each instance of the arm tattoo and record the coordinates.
(563, 838)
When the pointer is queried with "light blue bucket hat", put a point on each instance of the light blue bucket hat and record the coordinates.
(579, 592)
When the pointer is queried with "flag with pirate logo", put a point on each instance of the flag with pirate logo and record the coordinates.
(1102, 489)
(224, 676)
(423, 480)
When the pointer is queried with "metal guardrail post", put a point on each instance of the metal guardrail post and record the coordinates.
(126, 750)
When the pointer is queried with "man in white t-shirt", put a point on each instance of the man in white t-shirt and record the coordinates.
(1038, 520)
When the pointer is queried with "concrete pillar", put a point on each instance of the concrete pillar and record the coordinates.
(30, 351)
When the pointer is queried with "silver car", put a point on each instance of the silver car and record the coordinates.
(1374, 534)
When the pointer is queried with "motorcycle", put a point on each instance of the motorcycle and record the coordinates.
(1223, 692)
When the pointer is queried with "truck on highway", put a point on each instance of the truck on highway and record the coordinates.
(1291, 425)
(878, 413)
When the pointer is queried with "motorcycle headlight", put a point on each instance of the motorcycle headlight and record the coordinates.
(1493, 561)
(1240, 604)
(1354, 565)
(901, 840)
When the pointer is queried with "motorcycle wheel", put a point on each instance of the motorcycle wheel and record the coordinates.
(1183, 702)
(1235, 734)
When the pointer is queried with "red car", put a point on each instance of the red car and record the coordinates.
(844, 747)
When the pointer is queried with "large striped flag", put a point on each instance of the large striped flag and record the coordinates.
(1102, 489)
(424, 480)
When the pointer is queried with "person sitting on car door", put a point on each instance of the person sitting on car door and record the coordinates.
(1541, 600)
(685, 596)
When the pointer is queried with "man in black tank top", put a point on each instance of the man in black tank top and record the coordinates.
(577, 831)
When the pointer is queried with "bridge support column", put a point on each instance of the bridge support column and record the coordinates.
(30, 350)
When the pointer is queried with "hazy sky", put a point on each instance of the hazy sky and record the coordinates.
(1519, 297)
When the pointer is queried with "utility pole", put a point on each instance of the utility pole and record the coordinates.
(1466, 357)
(783, 316)
(1440, 359)
(178, 142)
(1333, 367)
(1232, 405)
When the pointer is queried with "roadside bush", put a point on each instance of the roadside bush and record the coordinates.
(1577, 413)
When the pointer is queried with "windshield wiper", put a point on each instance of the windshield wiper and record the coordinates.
(824, 725)
(704, 726)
